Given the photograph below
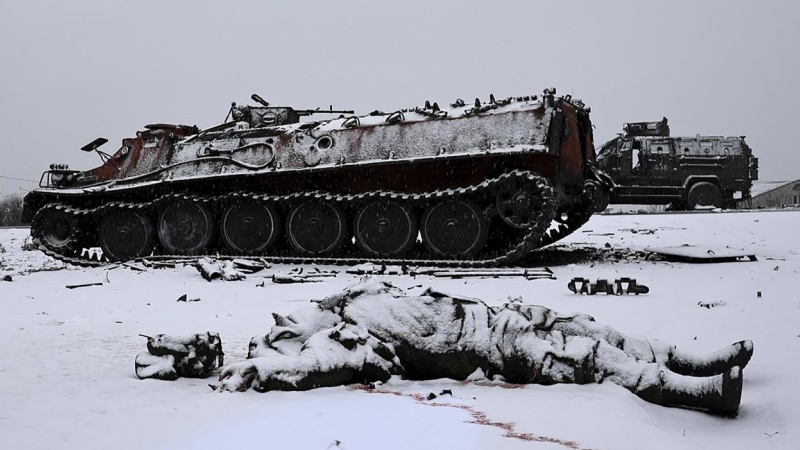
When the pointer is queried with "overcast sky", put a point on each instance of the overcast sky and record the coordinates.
(75, 70)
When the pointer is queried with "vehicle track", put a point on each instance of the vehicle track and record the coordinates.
(538, 235)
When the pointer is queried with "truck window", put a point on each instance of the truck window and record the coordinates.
(635, 159)
(607, 148)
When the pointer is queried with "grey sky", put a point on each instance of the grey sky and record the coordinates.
(75, 70)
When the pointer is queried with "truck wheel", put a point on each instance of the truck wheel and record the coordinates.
(704, 194)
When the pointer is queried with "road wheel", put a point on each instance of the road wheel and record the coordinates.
(454, 229)
(249, 227)
(704, 194)
(57, 229)
(385, 228)
(126, 235)
(316, 228)
(186, 228)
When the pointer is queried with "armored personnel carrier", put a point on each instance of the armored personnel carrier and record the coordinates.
(475, 184)
(650, 167)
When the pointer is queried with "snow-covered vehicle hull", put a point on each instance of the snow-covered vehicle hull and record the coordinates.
(477, 184)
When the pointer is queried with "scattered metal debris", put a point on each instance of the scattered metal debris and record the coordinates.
(378, 269)
(134, 267)
(157, 261)
(225, 270)
(282, 278)
(75, 286)
(383, 269)
(709, 305)
(208, 269)
(698, 254)
(639, 230)
(297, 275)
(184, 298)
(158, 264)
(530, 274)
(250, 266)
(602, 286)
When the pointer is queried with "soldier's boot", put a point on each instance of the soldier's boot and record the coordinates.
(718, 362)
(720, 394)
(158, 367)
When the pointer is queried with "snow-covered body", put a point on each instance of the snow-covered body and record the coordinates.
(373, 330)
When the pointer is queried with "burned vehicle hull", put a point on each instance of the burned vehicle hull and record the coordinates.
(471, 185)
(648, 166)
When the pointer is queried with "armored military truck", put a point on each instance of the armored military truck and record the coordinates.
(648, 166)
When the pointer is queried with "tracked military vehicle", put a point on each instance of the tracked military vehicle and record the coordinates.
(650, 167)
(472, 184)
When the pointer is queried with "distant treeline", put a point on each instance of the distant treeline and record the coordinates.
(11, 210)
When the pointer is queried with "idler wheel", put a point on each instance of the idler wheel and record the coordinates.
(518, 203)
(185, 228)
(385, 228)
(316, 228)
(126, 234)
(249, 227)
(57, 229)
(454, 229)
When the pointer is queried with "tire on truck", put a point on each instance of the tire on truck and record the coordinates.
(704, 193)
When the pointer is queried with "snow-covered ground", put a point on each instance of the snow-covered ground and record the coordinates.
(66, 355)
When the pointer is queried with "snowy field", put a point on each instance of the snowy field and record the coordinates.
(67, 355)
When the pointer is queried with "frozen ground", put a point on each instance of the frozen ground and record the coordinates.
(66, 356)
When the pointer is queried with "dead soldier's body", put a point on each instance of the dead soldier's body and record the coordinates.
(373, 330)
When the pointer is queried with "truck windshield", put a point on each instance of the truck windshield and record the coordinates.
(607, 147)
